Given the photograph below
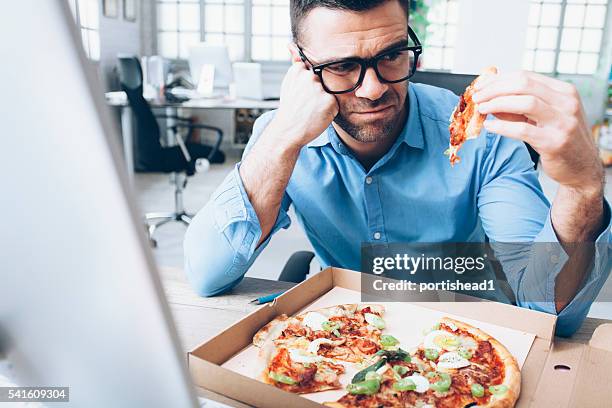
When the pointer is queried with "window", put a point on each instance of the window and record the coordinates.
(178, 25)
(439, 42)
(565, 36)
(86, 14)
(224, 24)
(252, 29)
(271, 30)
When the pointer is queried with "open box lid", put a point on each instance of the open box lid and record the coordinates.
(578, 375)
(542, 385)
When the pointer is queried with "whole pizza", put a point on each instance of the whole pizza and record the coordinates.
(455, 365)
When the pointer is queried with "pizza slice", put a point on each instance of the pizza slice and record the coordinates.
(300, 373)
(349, 332)
(465, 121)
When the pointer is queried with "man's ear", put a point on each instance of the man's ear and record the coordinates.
(295, 54)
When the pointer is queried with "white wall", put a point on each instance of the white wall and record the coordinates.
(490, 32)
(117, 36)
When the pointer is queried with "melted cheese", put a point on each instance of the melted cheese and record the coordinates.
(303, 357)
(382, 369)
(422, 385)
(314, 320)
(314, 345)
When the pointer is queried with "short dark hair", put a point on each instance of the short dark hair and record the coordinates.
(300, 8)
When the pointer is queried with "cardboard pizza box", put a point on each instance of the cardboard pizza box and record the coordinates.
(554, 374)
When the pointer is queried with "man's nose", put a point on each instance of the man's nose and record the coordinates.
(371, 88)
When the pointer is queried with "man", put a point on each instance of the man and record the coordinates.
(358, 152)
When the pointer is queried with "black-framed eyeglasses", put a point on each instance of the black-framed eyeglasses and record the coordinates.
(395, 65)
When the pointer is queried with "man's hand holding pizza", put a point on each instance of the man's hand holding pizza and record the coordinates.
(548, 114)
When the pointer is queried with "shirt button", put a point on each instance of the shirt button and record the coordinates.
(377, 235)
(368, 180)
(554, 259)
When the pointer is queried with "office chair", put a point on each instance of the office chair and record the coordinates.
(182, 160)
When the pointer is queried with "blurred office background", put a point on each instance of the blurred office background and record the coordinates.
(566, 39)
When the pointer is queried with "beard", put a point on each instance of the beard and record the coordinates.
(373, 131)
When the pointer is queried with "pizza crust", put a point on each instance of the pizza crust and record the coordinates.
(347, 309)
(512, 374)
(271, 330)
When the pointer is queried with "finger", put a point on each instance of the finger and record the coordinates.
(295, 54)
(511, 117)
(555, 84)
(514, 84)
(529, 106)
(485, 79)
(515, 130)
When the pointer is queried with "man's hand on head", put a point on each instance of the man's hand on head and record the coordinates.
(547, 113)
(305, 109)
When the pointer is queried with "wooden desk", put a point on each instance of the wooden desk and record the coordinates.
(198, 319)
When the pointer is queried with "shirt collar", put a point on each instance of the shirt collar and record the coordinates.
(322, 139)
(412, 134)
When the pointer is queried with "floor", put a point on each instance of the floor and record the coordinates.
(155, 193)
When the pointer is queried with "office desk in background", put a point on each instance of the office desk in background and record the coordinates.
(119, 100)
(197, 319)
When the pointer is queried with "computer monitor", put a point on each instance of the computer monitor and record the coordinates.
(81, 303)
(211, 54)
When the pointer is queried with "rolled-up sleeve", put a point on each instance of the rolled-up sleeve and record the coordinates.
(221, 241)
(516, 217)
(552, 258)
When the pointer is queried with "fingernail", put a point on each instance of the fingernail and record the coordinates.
(482, 107)
(487, 123)
(476, 96)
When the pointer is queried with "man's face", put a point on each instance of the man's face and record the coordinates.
(371, 112)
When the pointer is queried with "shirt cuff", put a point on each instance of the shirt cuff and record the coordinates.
(551, 257)
(237, 220)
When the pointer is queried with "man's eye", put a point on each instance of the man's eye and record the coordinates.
(343, 67)
(392, 56)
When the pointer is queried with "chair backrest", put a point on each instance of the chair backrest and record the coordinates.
(148, 147)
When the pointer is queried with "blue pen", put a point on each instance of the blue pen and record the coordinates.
(266, 299)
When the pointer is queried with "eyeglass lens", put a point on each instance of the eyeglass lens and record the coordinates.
(391, 67)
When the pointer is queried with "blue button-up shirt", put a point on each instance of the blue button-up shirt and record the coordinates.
(411, 194)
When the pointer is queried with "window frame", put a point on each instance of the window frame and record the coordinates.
(247, 34)
(560, 28)
(178, 31)
(443, 47)
(75, 6)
